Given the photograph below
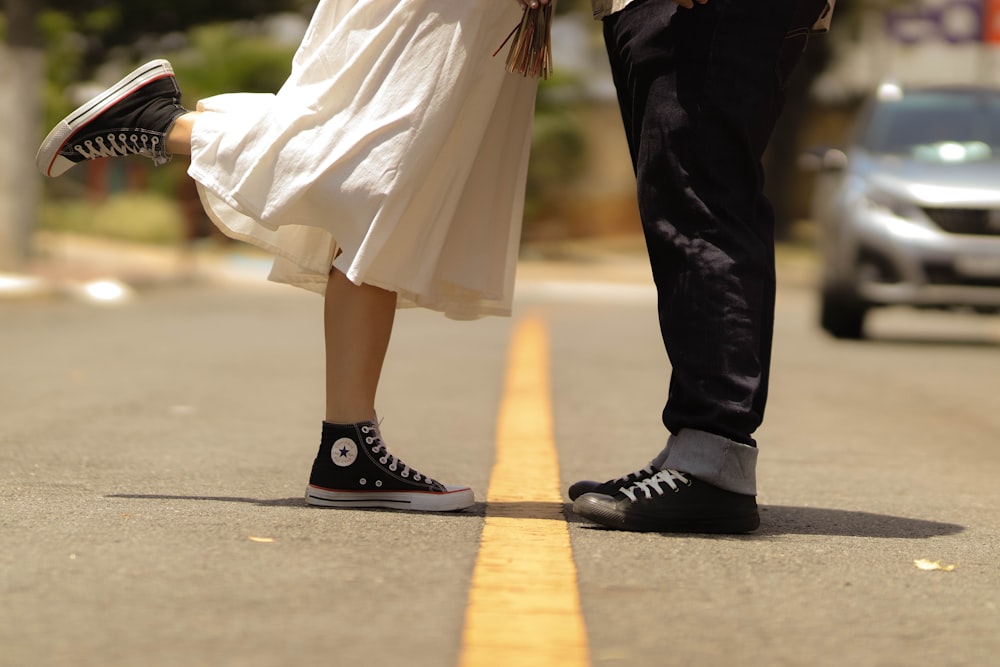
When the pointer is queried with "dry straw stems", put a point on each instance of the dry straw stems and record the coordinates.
(531, 49)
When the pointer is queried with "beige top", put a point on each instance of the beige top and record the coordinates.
(604, 7)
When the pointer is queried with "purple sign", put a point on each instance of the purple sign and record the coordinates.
(952, 21)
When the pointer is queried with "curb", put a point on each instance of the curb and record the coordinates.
(94, 269)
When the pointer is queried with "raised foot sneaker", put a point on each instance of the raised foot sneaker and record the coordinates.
(612, 486)
(354, 469)
(131, 117)
(671, 502)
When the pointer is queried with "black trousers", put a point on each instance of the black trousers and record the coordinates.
(700, 91)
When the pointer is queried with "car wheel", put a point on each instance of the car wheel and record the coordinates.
(842, 316)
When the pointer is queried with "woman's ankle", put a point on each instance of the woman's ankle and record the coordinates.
(178, 137)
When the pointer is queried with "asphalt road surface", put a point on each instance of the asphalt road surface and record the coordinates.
(154, 454)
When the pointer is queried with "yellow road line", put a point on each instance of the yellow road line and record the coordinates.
(524, 606)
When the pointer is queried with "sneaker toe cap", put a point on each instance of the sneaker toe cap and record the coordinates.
(577, 489)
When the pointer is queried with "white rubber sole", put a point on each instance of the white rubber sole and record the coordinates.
(48, 158)
(456, 498)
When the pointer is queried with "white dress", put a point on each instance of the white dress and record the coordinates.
(396, 151)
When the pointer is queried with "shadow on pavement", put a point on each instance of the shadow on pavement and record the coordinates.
(785, 520)
(896, 340)
(776, 520)
(262, 502)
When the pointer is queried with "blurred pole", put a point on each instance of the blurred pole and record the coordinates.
(22, 70)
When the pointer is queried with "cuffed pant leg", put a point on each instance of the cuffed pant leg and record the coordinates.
(711, 458)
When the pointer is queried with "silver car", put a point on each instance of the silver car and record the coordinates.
(909, 213)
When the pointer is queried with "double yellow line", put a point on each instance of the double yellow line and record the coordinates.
(524, 606)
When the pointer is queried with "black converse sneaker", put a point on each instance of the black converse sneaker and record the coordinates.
(354, 469)
(671, 502)
(130, 118)
(612, 486)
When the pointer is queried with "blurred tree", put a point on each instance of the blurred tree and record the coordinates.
(241, 57)
(109, 25)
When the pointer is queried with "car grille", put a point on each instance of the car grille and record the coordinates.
(942, 273)
(975, 221)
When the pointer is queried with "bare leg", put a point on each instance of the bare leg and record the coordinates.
(179, 135)
(358, 322)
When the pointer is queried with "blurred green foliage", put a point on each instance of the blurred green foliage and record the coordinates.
(141, 217)
(64, 48)
(558, 147)
(226, 57)
(113, 26)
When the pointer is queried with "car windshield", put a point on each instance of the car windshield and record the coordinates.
(936, 125)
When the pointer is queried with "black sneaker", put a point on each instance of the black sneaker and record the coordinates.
(130, 118)
(671, 502)
(612, 486)
(354, 469)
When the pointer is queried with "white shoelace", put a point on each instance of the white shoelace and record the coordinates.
(117, 145)
(389, 460)
(651, 484)
(648, 471)
(632, 477)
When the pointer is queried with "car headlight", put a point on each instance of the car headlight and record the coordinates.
(903, 218)
(890, 204)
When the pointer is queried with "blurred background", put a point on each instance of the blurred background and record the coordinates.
(57, 53)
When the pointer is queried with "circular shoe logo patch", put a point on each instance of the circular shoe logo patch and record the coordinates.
(344, 452)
